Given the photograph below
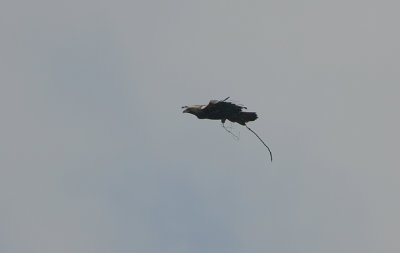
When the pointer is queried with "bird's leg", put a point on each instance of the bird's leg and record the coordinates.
(226, 129)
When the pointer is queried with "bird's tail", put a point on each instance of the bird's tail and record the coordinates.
(247, 116)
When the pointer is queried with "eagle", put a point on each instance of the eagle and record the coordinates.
(224, 110)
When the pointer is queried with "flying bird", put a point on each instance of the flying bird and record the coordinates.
(224, 110)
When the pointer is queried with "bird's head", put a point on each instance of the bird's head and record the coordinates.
(193, 109)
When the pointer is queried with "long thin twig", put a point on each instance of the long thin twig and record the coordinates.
(270, 153)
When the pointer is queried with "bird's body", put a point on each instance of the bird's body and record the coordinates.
(223, 110)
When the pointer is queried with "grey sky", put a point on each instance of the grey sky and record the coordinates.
(96, 156)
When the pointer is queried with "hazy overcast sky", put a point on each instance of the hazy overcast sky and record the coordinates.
(96, 155)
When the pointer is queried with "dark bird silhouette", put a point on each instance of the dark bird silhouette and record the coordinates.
(223, 110)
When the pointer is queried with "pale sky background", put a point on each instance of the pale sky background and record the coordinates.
(96, 155)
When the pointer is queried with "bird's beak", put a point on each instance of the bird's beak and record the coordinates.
(186, 110)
